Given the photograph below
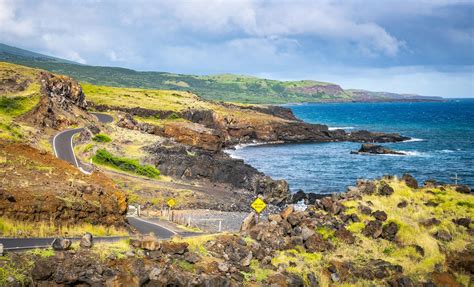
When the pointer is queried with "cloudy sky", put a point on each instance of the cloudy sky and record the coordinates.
(410, 46)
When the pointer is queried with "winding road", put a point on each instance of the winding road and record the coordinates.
(64, 149)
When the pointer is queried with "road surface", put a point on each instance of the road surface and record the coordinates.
(64, 149)
(12, 244)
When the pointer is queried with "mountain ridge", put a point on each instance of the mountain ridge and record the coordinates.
(219, 87)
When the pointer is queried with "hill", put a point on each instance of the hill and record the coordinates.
(224, 87)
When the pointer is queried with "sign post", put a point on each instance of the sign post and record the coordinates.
(258, 205)
(171, 202)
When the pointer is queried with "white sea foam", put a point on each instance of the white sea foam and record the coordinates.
(340, 128)
(414, 140)
(408, 153)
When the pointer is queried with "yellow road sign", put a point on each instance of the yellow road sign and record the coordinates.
(258, 205)
(171, 202)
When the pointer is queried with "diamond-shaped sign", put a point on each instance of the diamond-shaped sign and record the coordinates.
(258, 205)
(171, 202)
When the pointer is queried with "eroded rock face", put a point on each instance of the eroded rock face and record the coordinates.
(185, 162)
(196, 135)
(62, 104)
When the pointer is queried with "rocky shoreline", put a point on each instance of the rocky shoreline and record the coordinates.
(335, 241)
(195, 149)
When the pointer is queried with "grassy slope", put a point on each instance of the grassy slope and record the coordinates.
(231, 88)
(165, 100)
(16, 103)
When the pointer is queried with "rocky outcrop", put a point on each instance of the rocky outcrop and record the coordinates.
(375, 149)
(190, 163)
(193, 134)
(62, 104)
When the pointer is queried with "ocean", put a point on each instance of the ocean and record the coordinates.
(442, 145)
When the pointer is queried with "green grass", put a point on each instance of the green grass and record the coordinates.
(102, 138)
(129, 165)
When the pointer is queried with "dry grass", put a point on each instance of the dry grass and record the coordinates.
(15, 228)
(411, 231)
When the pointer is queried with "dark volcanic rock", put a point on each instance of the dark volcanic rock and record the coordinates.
(61, 244)
(380, 215)
(375, 149)
(389, 231)
(373, 229)
(463, 189)
(185, 162)
(316, 243)
(410, 181)
(385, 189)
(402, 204)
(443, 235)
(464, 221)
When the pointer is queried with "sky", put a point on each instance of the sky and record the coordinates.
(408, 46)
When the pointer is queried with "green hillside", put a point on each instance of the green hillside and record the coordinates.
(225, 87)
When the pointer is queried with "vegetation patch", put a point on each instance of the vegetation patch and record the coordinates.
(129, 165)
(103, 138)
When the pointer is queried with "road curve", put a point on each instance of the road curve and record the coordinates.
(62, 142)
(64, 149)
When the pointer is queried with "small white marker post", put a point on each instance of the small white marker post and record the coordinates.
(456, 178)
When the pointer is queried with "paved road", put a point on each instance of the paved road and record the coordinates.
(11, 244)
(146, 227)
(63, 149)
(62, 142)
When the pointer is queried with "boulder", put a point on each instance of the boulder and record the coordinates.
(389, 231)
(366, 186)
(170, 247)
(385, 189)
(373, 229)
(380, 215)
(148, 242)
(375, 149)
(463, 221)
(410, 181)
(295, 218)
(402, 204)
(61, 244)
(463, 189)
(443, 235)
(307, 232)
(86, 241)
(316, 243)
(345, 236)
(249, 221)
(275, 217)
(287, 211)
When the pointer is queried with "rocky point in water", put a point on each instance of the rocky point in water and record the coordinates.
(375, 149)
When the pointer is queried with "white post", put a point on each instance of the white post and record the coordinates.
(138, 210)
(220, 225)
(189, 220)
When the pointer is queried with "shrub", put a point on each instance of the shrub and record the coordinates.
(102, 138)
(173, 116)
(131, 165)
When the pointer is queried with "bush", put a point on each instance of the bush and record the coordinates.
(131, 165)
(173, 116)
(102, 138)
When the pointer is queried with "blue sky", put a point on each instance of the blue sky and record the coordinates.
(411, 46)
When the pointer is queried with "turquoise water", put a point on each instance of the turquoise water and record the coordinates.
(443, 145)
